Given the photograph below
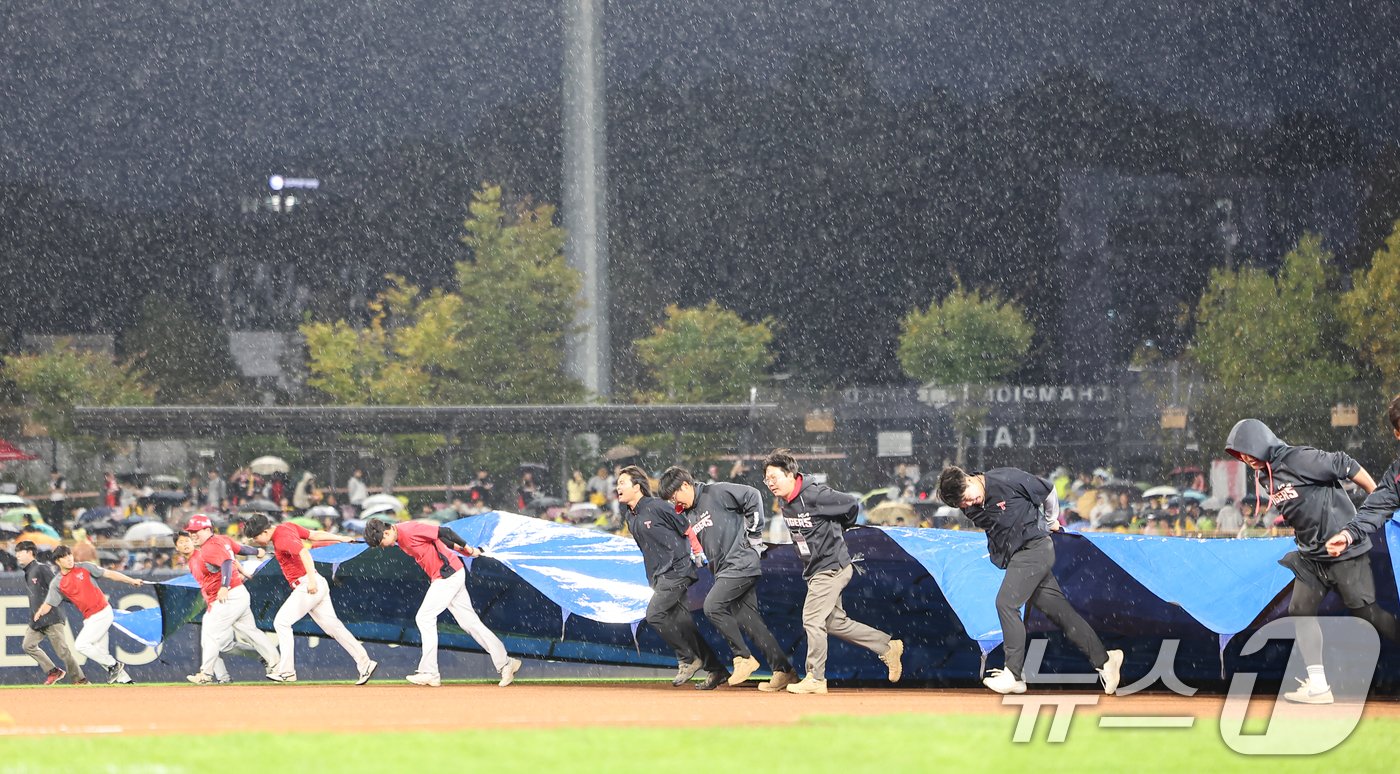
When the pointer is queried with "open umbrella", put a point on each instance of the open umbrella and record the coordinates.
(266, 466)
(888, 511)
(1193, 494)
(169, 496)
(306, 521)
(170, 481)
(1162, 491)
(322, 511)
(147, 530)
(380, 503)
(39, 539)
(539, 468)
(8, 530)
(10, 453)
(16, 515)
(621, 452)
(259, 506)
(10, 501)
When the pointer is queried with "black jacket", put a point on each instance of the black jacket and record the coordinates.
(722, 520)
(660, 535)
(1380, 505)
(817, 517)
(1304, 486)
(1011, 512)
(37, 578)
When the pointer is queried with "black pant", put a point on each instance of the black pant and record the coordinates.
(1029, 580)
(732, 606)
(1353, 581)
(669, 615)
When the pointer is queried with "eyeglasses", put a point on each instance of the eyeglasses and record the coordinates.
(773, 478)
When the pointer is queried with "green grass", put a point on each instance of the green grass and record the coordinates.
(889, 743)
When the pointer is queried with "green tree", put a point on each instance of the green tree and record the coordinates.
(705, 355)
(51, 383)
(1269, 347)
(186, 358)
(1371, 310)
(518, 302)
(497, 338)
(967, 340)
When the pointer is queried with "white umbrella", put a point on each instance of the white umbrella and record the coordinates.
(1162, 491)
(323, 510)
(12, 501)
(145, 530)
(266, 466)
(381, 502)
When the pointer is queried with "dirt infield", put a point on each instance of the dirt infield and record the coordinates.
(139, 709)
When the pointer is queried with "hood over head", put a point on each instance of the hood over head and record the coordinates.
(1252, 437)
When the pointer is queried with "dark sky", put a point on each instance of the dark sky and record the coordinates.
(135, 101)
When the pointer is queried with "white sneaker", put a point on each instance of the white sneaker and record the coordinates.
(425, 678)
(809, 684)
(282, 677)
(508, 672)
(1306, 694)
(780, 681)
(1003, 682)
(743, 667)
(201, 678)
(1112, 672)
(367, 672)
(893, 659)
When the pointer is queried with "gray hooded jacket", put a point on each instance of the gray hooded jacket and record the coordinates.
(723, 519)
(1304, 485)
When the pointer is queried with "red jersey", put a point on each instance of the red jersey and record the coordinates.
(78, 587)
(212, 555)
(202, 576)
(420, 541)
(287, 547)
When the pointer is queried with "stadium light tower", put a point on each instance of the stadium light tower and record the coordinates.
(585, 190)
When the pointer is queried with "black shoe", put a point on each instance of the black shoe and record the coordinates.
(713, 680)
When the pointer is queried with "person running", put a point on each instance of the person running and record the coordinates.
(38, 576)
(1018, 511)
(229, 614)
(725, 523)
(311, 594)
(817, 516)
(432, 548)
(75, 583)
(660, 533)
(1305, 487)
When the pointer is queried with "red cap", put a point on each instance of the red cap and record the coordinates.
(198, 522)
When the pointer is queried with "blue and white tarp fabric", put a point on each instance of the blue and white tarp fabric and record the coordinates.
(560, 592)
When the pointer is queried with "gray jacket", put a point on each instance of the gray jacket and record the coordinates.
(727, 520)
(1304, 485)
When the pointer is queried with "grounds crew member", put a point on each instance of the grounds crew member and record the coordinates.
(1017, 511)
(816, 516)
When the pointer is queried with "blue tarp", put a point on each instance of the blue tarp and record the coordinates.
(933, 588)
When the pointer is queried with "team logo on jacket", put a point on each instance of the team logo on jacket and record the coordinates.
(647, 523)
(1002, 505)
(1283, 495)
(801, 521)
(702, 522)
